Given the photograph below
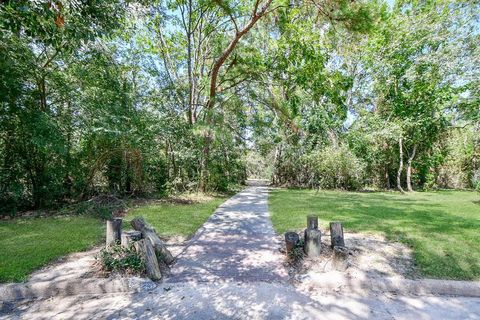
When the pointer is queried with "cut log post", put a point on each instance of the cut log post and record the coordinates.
(291, 240)
(148, 232)
(114, 231)
(129, 237)
(146, 250)
(313, 242)
(336, 234)
(340, 258)
(312, 222)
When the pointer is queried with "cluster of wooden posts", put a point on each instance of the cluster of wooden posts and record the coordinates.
(313, 239)
(145, 241)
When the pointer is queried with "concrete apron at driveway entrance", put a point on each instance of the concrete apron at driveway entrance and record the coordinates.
(237, 243)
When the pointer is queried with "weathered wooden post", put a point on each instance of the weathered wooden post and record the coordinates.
(129, 237)
(149, 233)
(291, 240)
(114, 231)
(313, 242)
(145, 249)
(340, 258)
(313, 237)
(312, 222)
(336, 235)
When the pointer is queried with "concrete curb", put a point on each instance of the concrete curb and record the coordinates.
(401, 286)
(47, 289)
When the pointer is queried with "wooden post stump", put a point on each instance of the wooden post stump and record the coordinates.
(146, 250)
(148, 232)
(313, 242)
(114, 231)
(340, 258)
(312, 222)
(291, 240)
(336, 235)
(129, 237)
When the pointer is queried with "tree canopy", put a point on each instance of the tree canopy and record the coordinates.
(148, 97)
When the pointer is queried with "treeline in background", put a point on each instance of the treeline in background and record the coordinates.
(115, 97)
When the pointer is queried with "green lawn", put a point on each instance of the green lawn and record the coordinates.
(29, 243)
(175, 219)
(442, 227)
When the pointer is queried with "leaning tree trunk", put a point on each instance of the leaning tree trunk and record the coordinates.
(147, 252)
(257, 14)
(409, 169)
(148, 232)
(400, 166)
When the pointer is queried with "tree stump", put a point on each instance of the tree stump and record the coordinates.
(114, 231)
(312, 222)
(291, 240)
(336, 235)
(313, 242)
(148, 232)
(129, 237)
(147, 252)
(340, 258)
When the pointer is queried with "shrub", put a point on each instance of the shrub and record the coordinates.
(336, 167)
(297, 253)
(119, 259)
(102, 206)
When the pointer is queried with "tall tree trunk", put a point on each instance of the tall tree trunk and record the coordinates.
(128, 171)
(409, 168)
(400, 166)
(276, 158)
(42, 92)
(204, 164)
(167, 159)
(191, 87)
(476, 150)
(67, 180)
(256, 15)
(174, 161)
(387, 179)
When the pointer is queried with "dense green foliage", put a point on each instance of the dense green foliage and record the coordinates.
(119, 259)
(152, 97)
(403, 110)
(442, 226)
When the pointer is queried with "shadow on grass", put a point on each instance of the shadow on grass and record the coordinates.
(442, 227)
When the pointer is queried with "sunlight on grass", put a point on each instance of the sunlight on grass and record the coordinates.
(442, 227)
(30, 243)
(176, 219)
(27, 244)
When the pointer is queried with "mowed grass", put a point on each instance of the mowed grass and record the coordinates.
(171, 219)
(27, 244)
(442, 227)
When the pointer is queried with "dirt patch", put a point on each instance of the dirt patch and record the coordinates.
(180, 199)
(369, 256)
(84, 265)
(169, 200)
